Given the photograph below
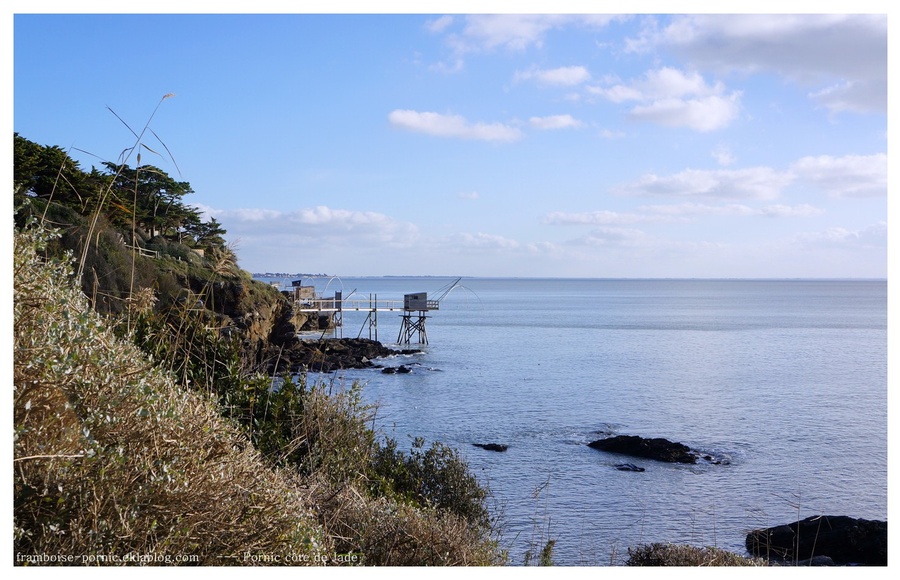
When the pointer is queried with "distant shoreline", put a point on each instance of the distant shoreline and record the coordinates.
(600, 278)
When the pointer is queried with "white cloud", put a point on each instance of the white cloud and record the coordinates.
(802, 210)
(324, 215)
(691, 209)
(845, 54)
(759, 183)
(449, 67)
(872, 236)
(610, 236)
(848, 176)
(516, 31)
(608, 134)
(673, 98)
(732, 209)
(723, 155)
(704, 114)
(320, 225)
(456, 126)
(567, 76)
(601, 217)
(677, 213)
(468, 195)
(439, 24)
(852, 96)
(484, 241)
(555, 122)
(657, 84)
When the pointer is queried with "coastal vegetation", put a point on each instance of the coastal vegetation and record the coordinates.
(145, 431)
(683, 555)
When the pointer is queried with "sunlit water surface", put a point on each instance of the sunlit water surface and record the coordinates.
(786, 378)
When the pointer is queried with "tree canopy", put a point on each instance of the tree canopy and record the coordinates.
(143, 198)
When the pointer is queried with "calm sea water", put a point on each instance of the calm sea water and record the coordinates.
(787, 378)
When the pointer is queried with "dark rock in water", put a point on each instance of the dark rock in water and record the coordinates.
(629, 467)
(331, 354)
(817, 561)
(718, 459)
(657, 448)
(844, 539)
(492, 446)
(401, 370)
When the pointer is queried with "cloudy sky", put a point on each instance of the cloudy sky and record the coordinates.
(632, 145)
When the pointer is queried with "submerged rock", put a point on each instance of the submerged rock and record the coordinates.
(844, 539)
(657, 448)
(492, 446)
(401, 370)
(629, 467)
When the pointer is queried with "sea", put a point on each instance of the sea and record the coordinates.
(783, 382)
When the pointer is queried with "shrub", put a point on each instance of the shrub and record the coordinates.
(391, 533)
(436, 477)
(683, 555)
(111, 458)
(186, 454)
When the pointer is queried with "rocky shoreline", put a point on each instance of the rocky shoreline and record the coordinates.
(327, 355)
(822, 541)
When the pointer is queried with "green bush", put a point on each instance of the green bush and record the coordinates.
(435, 477)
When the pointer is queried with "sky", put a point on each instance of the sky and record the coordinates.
(548, 144)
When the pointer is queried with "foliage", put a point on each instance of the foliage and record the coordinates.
(391, 533)
(683, 555)
(111, 459)
(545, 557)
(178, 447)
(318, 428)
(140, 201)
(156, 205)
(435, 477)
(114, 458)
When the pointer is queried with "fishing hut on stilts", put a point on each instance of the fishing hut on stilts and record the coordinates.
(415, 309)
(412, 324)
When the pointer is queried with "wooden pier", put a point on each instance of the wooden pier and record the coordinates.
(413, 310)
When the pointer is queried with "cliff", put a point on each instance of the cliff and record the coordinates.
(169, 274)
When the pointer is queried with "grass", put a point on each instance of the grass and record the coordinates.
(112, 458)
(115, 456)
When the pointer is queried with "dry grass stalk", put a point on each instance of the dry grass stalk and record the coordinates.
(111, 458)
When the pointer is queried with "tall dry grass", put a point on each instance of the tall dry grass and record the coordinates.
(116, 462)
(112, 459)
(145, 437)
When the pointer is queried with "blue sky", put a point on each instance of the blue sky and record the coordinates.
(633, 145)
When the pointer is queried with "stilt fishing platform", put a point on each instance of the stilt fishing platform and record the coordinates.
(413, 309)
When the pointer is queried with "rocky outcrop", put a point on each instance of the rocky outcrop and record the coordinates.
(267, 324)
(843, 539)
(492, 446)
(657, 448)
(401, 370)
(257, 311)
(326, 355)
